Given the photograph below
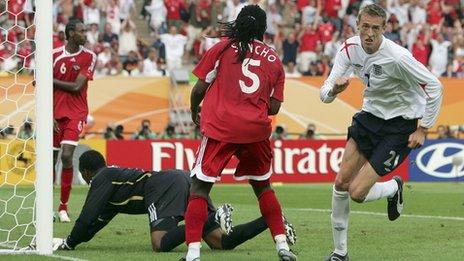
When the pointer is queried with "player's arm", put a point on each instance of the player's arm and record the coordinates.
(337, 80)
(418, 76)
(73, 87)
(277, 95)
(88, 224)
(197, 95)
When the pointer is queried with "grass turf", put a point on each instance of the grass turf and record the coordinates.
(371, 236)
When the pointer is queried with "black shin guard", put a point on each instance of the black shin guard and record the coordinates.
(210, 224)
(243, 232)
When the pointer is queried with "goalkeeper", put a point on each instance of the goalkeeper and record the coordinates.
(163, 195)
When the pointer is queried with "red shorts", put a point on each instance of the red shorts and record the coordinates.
(69, 132)
(213, 156)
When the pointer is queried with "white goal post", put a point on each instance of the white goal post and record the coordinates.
(26, 204)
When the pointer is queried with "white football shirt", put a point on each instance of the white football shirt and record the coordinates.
(395, 83)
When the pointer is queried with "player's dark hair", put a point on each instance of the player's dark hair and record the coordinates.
(71, 26)
(250, 24)
(91, 161)
(373, 10)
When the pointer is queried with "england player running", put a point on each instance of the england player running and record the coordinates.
(163, 196)
(73, 67)
(398, 92)
(241, 80)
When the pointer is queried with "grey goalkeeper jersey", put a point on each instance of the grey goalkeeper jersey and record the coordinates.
(395, 83)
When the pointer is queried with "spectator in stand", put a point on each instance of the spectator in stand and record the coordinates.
(435, 13)
(290, 16)
(170, 133)
(103, 59)
(126, 8)
(421, 52)
(114, 67)
(332, 47)
(211, 38)
(158, 12)
(160, 47)
(274, 19)
(310, 133)
(443, 132)
(150, 65)
(59, 39)
(331, 8)
(217, 8)
(309, 44)
(29, 11)
(26, 132)
(279, 133)
(175, 45)
(389, 34)
(200, 17)
(310, 13)
(91, 13)
(133, 65)
(109, 133)
(108, 35)
(233, 7)
(439, 55)
(15, 11)
(113, 16)
(144, 132)
(93, 35)
(174, 8)
(127, 38)
(417, 12)
(326, 30)
(290, 49)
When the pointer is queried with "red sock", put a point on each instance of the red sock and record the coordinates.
(66, 181)
(195, 218)
(272, 212)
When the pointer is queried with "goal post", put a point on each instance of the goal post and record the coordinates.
(44, 127)
(26, 128)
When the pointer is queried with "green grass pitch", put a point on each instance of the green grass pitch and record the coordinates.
(431, 228)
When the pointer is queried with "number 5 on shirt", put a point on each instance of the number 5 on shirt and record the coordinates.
(252, 76)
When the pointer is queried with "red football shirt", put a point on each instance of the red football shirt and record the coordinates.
(236, 104)
(66, 67)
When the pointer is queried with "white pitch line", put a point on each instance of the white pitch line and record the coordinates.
(378, 214)
(67, 258)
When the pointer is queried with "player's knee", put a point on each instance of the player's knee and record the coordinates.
(340, 184)
(66, 159)
(357, 195)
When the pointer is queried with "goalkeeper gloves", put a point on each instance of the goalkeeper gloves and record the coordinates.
(61, 244)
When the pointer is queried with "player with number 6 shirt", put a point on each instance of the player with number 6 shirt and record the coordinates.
(73, 67)
(241, 83)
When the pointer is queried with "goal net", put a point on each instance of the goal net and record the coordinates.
(25, 127)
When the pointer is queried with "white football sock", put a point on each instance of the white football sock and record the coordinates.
(281, 242)
(381, 190)
(193, 251)
(339, 217)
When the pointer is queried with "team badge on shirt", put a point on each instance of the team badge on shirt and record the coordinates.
(377, 69)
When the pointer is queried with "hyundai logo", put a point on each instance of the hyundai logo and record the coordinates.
(437, 160)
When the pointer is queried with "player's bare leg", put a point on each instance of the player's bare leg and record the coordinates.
(272, 213)
(352, 162)
(196, 216)
(67, 152)
(365, 188)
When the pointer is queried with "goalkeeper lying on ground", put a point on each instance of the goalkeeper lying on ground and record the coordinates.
(163, 195)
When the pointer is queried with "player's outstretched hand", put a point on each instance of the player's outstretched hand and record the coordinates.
(340, 85)
(60, 244)
(417, 138)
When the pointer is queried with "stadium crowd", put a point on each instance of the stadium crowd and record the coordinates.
(306, 33)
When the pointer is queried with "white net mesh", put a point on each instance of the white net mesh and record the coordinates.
(17, 111)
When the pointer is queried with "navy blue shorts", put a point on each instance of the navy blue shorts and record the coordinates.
(384, 143)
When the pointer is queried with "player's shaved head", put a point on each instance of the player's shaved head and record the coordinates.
(89, 163)
(71, 27)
